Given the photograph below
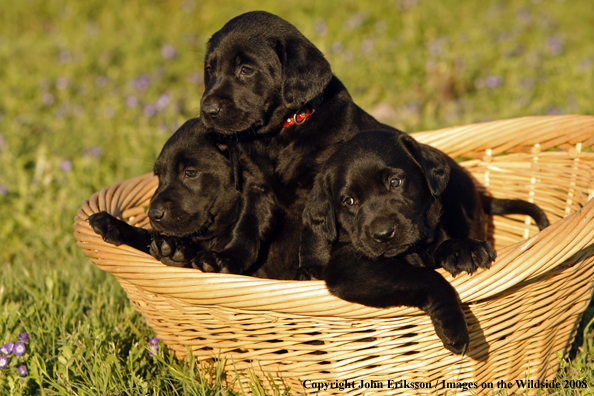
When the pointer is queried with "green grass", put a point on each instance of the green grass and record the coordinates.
(89, 94)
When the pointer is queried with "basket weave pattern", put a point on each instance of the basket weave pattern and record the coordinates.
(520, 312)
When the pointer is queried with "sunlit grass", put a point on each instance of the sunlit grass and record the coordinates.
(90, 91)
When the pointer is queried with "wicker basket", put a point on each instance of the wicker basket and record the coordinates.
(520, 312)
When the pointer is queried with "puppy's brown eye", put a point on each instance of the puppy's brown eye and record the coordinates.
(191, 173)
(349, 201)
(395, 182)
(246, 71)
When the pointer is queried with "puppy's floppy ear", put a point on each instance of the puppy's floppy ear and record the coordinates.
(319, 219)
(434, 163)
(229, 149)
(235, 164)
(305, 71)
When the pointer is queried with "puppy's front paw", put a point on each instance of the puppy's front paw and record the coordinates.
(170, 251)
(453, 333)
(210, 261)
(457, 255)
(110, 228)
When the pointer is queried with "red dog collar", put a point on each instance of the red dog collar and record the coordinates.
(298, 118)
(305, 112)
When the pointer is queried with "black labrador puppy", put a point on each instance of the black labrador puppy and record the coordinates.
(384, 213)
(208, 214)
(271, 90)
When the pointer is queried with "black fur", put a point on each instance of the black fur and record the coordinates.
(208, 220)
(384, 282)
(496, 206)
(260, 71)
(385, 212)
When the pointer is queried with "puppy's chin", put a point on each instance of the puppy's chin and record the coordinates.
(171, 231)
(181, 230)
(396, 251)
(232, 125)
(381, 250)
(240, 122)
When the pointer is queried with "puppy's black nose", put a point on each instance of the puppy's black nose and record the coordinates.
(383, 233)
(211, 107)
(156, 214)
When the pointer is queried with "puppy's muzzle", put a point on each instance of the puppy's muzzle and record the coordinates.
(211, 107)
(156, 214)
(383, 233)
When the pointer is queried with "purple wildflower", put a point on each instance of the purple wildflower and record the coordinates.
(65, 166)
(527, 82)
(336, 47)
(47, 99)
(93, 151)
(412, 107)
(150, 110)
(320, 27)
(162, 101)
(196, 78)
(65, 56)
(555, 45)
(19, 348)
(437, 45)
(168, 51)
(585, 65)
(523, 14)
(381, 27)
(131, 101)
(62, 82)
(188, 5)
(367, 45)
(153, 346)
(460, 64)
(141, 82)
(551, 110)
(3, 190)
(6, 349)
(23, 337)
(22, 370)
(101, 81)
(354, 21)
(3, 361)
(493, 81)
(2, 141)
(404, 5)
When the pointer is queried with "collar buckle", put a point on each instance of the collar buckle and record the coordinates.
(300, 116)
